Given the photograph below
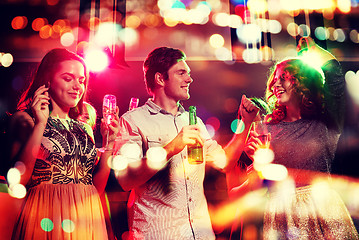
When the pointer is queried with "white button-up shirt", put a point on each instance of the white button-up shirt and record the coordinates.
(172, 204)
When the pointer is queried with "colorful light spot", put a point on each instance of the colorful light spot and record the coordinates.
(47, 225)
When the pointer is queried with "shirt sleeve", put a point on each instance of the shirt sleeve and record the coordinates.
(334, 95)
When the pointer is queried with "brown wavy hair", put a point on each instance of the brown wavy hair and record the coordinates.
(308, 83)
(160, 60)
(45, 73)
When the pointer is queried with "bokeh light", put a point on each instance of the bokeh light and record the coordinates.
(67, 39)
(107, 34)
(131, 151)
(274, 172)
(19, 22)
(214, 122)
(17, 191)
(263, 156)
(38, 23)
(45, 32)
(293, 29)
(221, 19)
(6, 59)
(249, 33)
(352, 81)
(354, 36)
(235, 21)
(257, 6)
(216, 41)
(129, 36)
(96, 60)
(304, 30)
(47, 225)
(68, 225)
(118, 162)
(156, 157)
(237, 126)
(321, 33)
(210, 130)
(13, 176)
(93, 23)
(344, 6)
(134, 21)
(223, 54)
(252, 55)
(20, 166)
(339, 35)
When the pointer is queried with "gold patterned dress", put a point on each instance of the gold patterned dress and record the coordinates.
(62, 202)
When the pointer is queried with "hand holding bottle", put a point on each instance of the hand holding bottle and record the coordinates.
(308, 48)
(188, 136)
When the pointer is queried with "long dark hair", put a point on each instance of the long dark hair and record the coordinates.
(45, 73)
(308, 83)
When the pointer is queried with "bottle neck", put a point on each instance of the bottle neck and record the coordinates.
(192, 116)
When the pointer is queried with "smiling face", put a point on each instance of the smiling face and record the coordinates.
(283, 88)
(68, 85)
(177, 84)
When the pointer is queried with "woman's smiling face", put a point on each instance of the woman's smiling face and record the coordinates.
(283, 87)
(68, 84)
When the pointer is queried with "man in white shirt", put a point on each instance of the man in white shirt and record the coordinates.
(169, 202)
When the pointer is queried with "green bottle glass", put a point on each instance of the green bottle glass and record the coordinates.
(195, 152)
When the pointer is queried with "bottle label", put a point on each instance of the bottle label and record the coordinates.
(195, 154)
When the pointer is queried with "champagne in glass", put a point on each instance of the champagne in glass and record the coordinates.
(261, 129)
(133, 103)
(108, 111)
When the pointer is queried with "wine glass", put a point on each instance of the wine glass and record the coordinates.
(109, 112)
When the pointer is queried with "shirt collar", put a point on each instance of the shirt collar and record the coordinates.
(155, 109)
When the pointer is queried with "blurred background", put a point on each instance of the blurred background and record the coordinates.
(230, 46)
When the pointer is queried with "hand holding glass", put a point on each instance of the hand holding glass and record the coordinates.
(108, 111)
(262, 131)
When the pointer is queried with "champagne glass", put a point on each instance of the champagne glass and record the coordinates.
(261, 129)
(108, 111)
(133, 103)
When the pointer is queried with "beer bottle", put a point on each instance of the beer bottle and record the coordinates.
(195, 152)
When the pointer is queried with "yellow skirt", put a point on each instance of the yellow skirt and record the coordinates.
(61, 211)
(308, 213)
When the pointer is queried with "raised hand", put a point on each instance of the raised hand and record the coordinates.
(40, 105)
(247, 110)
